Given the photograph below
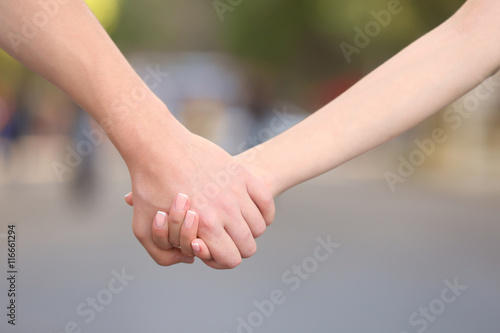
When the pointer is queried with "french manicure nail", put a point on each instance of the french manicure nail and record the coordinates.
(196, 247)
(180, 202)
(160, 219)
(189, 220)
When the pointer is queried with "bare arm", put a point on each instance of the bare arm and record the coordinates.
(63, 41)
(416, 83)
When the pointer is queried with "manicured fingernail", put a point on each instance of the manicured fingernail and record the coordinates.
(126, 195)
(196, 247)
(180, 202)
(160, 219)
(189, 220)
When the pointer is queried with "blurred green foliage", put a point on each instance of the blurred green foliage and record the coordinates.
(296, 41)
(303, 36)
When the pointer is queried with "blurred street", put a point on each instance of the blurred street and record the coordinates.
(396, 250)
(403, 239)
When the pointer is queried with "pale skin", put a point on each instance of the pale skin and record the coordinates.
(73, 51)
(419, 81)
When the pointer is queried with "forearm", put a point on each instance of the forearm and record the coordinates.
(419, 81)
(72, 50)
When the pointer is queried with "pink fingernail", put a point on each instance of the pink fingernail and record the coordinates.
(196, 247)
(189, 220)
(160, 219)
(180, 202)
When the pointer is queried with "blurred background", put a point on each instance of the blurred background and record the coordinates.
(231, 66)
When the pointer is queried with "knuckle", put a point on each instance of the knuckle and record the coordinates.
(160, 239)
(185, 240)
(259, 229)
(159, 236)
(175, 219)
(243, 235)
(161, 243)
(267, 208)
(268, 202)
(250, 251)
(162, 261)
(247, 236)
(187, 253)
(269, 220)
(140, 234)
(207, 225)
(173, 241)
(271, 211)
(269, 217)
(233, 263)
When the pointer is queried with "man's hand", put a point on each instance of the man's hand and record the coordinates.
(233, 206)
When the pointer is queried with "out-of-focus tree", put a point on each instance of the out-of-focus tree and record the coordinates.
(296, 41)
(174, 25)
(107, 12)
(301, 38)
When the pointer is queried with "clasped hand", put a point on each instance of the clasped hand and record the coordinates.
(197, 200)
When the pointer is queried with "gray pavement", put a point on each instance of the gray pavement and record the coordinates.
(410, 261)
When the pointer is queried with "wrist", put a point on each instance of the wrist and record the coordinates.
(141, 128)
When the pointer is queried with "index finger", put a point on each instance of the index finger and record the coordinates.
(142, 229)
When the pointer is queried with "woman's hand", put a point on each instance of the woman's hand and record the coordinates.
(175, 233)
(189, 221)
(232, 205)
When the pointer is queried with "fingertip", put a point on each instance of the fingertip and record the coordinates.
(196, 247)
(200, 249)
(160, 231)
(176, 221)
(189, 231)
(128, 199)
(181, 202)
(160, 220)
(190, 220)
